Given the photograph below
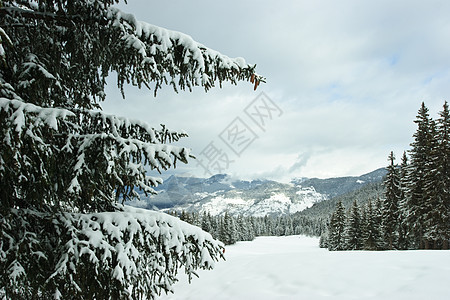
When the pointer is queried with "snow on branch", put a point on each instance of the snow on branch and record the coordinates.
(3, 37)
(165, 56)
(17, 110)
(125, 127)
(111, 40)
(84, 145)
(131, 253)
(127, 146)
(134, 152)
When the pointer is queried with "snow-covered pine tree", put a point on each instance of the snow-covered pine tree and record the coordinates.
(432, 193)
(248, 232)
(323, 240)
(268, 226)
(353, 230)
(240, 228)
(443, 132)
(378, 217)
(250, 229)
(288, 226)
(372, 232)
(64, 165)
(279, 227)
(216, 225)
(229, 234)
(363, 214)
(390, 221)
(255, 224)
(403, 206)
(336, 228)
(437, 185)
(420, 156)
(206, 222)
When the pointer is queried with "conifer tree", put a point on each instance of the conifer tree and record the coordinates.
(288, 227)
(269, 227)
(336, 229)
(241, 228)
(249, 229)
(206, 223)
(432, 193)
(443, 131)
(371, 235)
(403, 207)
(353, 232)
(438, 184)
(390, 221)
(420, 155)
(65, 165)
(378, 217)
(323, 240)
(229, 234)
(256, 225)
(363, 226)
(216, 226)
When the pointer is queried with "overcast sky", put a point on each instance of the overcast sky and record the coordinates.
(345, 80)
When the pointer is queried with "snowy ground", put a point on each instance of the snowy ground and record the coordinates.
(295, 267)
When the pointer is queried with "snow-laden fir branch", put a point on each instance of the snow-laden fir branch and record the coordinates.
(140, 53)
(84, 144)
(177, 54)
(129, 253)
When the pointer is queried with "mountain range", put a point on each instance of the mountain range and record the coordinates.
(221, 193)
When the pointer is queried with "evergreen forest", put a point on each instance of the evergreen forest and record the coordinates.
(414, 210)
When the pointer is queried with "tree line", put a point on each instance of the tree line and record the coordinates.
(231, 229)
(415, 210)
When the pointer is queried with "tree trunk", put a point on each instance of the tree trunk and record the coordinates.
(445, 244)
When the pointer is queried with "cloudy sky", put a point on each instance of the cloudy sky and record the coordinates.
(345, 80)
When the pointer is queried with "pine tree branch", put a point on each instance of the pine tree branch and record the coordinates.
(47, 16)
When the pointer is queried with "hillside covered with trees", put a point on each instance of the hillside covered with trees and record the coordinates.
(414, 212)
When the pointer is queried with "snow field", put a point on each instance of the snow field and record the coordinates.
(294, 267)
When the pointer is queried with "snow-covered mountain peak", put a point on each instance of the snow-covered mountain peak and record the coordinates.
(221, 193)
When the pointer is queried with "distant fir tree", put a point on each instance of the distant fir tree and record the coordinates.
(323, 240)
(249, 229)
(372, 229)
(240, 228)
(288, 226)
(336, 229)
(390, 215)
(206, 223)
(443, 131)
(403, 205)
(437, 219)
(432, 193)
(353, 230)
(420, 158)
(363, 214)
(269, 226)
(228, 231)
(256, 226)
(378, 217)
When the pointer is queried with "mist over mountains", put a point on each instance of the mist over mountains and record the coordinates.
(221, 193)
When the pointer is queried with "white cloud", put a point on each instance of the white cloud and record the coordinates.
(348, 75)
